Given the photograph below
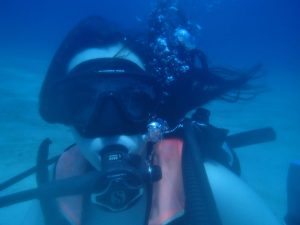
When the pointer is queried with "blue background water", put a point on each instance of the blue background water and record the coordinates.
(234, 33)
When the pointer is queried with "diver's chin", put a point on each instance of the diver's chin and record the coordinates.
(91, 148)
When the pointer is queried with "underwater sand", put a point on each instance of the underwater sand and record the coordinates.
(264, 167)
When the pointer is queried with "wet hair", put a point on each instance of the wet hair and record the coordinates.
(91, 32)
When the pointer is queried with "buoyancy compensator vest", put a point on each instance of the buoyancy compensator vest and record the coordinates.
(172, 200)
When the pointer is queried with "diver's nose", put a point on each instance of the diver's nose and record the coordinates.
(108, 116)
(109, 110)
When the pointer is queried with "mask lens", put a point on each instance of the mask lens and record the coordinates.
(77, 102)
(138, 104)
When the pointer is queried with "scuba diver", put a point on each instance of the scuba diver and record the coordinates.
(138, 159)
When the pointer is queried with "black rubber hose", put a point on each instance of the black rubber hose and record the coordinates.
(200, 205)
(23, 175)
(71, 186)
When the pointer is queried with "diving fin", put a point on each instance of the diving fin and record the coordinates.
(293, 194)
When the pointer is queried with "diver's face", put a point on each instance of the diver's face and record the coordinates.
(92, 147)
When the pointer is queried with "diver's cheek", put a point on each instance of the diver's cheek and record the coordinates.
(93, 158)
(135, 144)
(90, 149)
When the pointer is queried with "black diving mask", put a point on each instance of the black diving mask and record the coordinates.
(85, 92)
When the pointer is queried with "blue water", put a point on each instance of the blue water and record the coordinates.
(236, 34)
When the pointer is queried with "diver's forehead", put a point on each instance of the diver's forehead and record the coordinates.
(117, 50)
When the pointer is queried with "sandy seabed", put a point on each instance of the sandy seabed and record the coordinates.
(264, 166)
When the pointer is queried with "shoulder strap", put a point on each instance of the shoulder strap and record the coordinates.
(49, 206)
(200, 204)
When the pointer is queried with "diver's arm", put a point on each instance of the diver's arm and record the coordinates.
(34, 215)
(236, 202)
